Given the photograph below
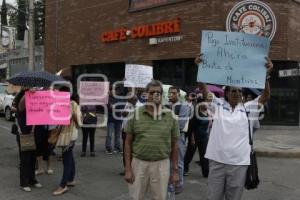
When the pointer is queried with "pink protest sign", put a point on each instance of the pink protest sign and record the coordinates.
(47, 108)
(93, 92)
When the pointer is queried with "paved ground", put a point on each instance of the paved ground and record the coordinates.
(98, 178)
(278, 143)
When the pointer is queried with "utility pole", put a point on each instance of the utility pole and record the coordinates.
(31, 39)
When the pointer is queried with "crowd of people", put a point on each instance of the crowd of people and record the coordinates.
(159, 141)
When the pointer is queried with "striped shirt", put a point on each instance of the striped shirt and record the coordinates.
(152, 137)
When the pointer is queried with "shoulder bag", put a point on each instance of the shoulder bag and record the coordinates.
(252, 179)
(27, 141)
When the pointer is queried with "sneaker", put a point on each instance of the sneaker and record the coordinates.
(83, 154)
(38, 185)
(50, 171)
(60, 191)
(26, 189)
(39, 172)
(185, 173)
(118, 151)
(93, 154)
(109, 152)
(71, 184)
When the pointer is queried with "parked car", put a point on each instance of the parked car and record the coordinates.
(6, 102)
(3, 87)
(8, 99)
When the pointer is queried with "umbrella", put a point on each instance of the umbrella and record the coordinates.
(165, 98)
(216, 90)
(34, 79)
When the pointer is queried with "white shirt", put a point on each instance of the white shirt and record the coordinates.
(229, 137)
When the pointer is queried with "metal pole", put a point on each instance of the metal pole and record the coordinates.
(31, 38)
(56, 35)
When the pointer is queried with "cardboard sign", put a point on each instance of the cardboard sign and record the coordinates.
(233, 59)
(138, 75)
(47, 108)
(93, 92)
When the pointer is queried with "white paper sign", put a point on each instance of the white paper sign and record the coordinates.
(138, 75)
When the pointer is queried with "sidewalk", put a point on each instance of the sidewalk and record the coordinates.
(277, 143)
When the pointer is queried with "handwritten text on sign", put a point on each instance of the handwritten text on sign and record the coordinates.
(138, 75)
(233, 59)
(47, 108)
(93, 92)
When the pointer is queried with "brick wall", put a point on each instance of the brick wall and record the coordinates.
(81, 22)
(294, 32)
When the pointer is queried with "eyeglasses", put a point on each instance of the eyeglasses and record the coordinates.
(155, 92)
(236, 91)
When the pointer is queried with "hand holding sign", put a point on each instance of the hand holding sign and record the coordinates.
(233, 59)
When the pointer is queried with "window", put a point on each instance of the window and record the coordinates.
(283, 107)
(178, 72)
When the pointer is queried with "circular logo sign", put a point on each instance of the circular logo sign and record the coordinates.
(252, 17)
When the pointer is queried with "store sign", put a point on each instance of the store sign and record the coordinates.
(155, 41)
(289, 72)
(252, 17)
(142, 31)
(136, 5)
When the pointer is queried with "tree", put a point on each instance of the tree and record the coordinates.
(21, 19)
(4, 14)
(40, 20)
(18, 19)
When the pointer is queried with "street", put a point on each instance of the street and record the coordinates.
(98, 178)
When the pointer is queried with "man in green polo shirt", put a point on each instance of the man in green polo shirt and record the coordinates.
(151, 141)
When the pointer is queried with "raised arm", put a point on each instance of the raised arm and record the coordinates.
(267, 91)
(202, 86)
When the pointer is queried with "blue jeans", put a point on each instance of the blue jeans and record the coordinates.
(181, 153)
(69, 166)
(113, 127)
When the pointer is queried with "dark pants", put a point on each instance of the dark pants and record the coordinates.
(27, 168)
(69, 166)
(88, 133)
(191, 149)
(123, 141)
(43, 148)
(189, 154)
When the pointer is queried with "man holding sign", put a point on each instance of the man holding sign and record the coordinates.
(228, 148)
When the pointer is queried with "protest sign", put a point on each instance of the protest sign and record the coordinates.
(47, 108)
(93, 92)
(138, 75)
(233, 59)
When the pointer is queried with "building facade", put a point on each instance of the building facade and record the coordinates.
(17, 61)
(102, 36)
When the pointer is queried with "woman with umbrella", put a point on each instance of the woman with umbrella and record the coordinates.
(27, 141)
(28, 157)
